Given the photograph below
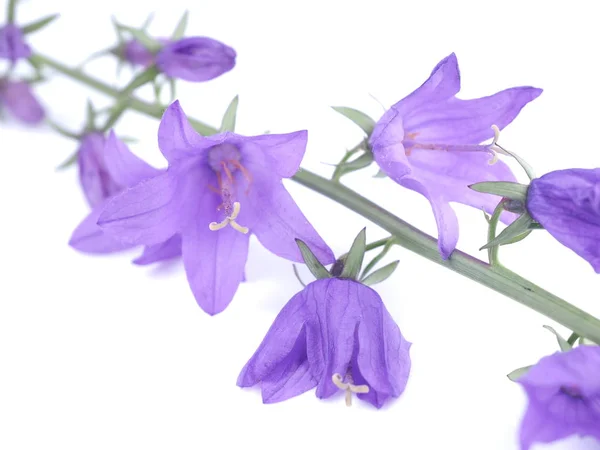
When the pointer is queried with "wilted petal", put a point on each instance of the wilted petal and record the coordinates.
(195, 59)
(169, 249)
(88, 237)
(148, 213)
(284, 152)
(567, 204)
(18, 98)
(125, 168)
(12, 43)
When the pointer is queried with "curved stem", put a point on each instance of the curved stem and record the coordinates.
(498, 278)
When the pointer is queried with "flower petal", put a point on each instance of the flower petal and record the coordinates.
(19, 100)
(284, 152)
(386, 143)
(567, 204)
(442, 84)
(214, 260)
(12, 43)
(123, 166)
(148, 213)
(278, 222)
(88, 237)
(169, 249)
(459, 122)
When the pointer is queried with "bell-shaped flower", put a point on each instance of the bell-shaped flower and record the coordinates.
(106, 168)
(335, 334)
(216, 192)
(564, 397)
(195, 59)
(18, 99)
(12, 43)
(430, 142)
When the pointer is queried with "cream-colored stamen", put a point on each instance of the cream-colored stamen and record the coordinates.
(230, 220)
(349, 387)
(494, 147)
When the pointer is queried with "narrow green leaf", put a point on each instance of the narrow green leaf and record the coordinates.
(311, 261)
(148, 42)
(228, 122)
(515, 229)
(355, 256)
(172, 89)
(68, 162)
(116, 113)
(90, 116)
(298, 275)
(179, 31)
(514, 191)
(381, 274)
(361, 162)
(148, 21)
(38, 24)
(518, 238)
(518, 373)
(386, 248)
(562, 342)
(62, 131)
(147, 76)
(526, 167)
(359, 118)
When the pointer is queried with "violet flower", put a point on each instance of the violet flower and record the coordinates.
(12, 44)
(17, 97)
(135, 53)
(564, 397)
(215, 191)
(106, 168)
(567, 204)
(429, 142)
(195, 59)
(335, 334)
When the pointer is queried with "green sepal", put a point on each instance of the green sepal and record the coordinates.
(380, 174)
(562, 342)
(366, 123)
(514, 191)
(355, 256)
(380, 274)
(511, 232)
(518, 373)
(361, 162)
(151, 44)
(90, 116)
(228, 122)
(63, 131)
(147, 22)
(38, 24)
(144, 77)
(179, 31)
(311, 261)
(115, 113)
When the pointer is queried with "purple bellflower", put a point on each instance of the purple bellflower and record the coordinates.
(564, 397)
(429, 142)
(195, 59)
(106, 168)
(17, 98)
(335, 334)
(12, 44)
(567, 204)
(216, 191)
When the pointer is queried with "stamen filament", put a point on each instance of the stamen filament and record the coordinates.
(349, 387)
(230, 220)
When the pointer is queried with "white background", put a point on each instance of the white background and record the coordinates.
(96, 353)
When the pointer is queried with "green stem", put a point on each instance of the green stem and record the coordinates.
(10, 13)
(499, 279)
(337, 173)
(573, 338)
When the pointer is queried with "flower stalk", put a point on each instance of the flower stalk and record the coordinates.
(405, 235)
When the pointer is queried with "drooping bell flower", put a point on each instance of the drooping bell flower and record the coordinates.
(106, 168)
(567, 204)
(18, 99)
(12, 43)
(564, 397)
(335, 334)
(195, 59)
(216, 192)
(431, 142)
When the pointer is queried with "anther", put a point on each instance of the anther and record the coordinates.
(349, 387)
(494, 147)
(230, 220)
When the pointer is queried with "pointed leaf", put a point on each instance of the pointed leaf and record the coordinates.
(38, 24)
(63, 131)
(90, 116)
(228, 122)
(148, 21)
(68, 162)
(311, 261)
(517, 373)
(380, 274)
(147, 76)
(359, 118)
(148, 42)
(361, 162)
(515, 229)
(514, 191)
(355, 256)
(562, 342)
(526, 167)
(179, 31)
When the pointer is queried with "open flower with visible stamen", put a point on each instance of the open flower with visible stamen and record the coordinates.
(335, 334)
(564, 397)
(12, 43)
(430, 142)
(106, 168)
(216, 192)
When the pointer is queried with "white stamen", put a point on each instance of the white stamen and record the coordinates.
(230, 220)
(349, 387)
